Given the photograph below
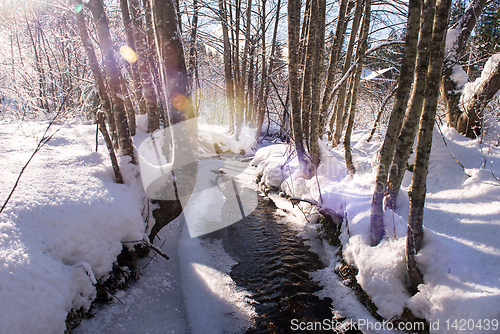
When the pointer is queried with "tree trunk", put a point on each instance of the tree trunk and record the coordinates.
(338, 40)
(469, 122)
(265, 82)
(261, 108)
(177, 89)
(316, 84)
(146, 80)
(404, 145)
(112, 70)
(246, 51)
(418, 183)
(96, 71)
(451, 90)
(398, 111)
(307, 78)
(293, 77)
(131, 41)
(228, 74)
(360, 56)
(339, 112)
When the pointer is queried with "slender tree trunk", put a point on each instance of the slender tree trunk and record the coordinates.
(192, 47)
(319, 51)
(239, 92)
(250, 88)
(339, 112)
(263, 103)
(405, 79)
(129, 107)
(228, 74)
(146, 79)
(96, 71)
(360, 56)
(261, 108)
(409, 127)
(129, 35)
(307, 78)
(338, 40)
(246, 51)
(111, 67)
(418, 183)
(293, 77)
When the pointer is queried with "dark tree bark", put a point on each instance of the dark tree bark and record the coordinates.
(261, 108)
(113, 78)
(265, 82)
(228, 72)
(396, 119)
(316, 128)
(129, 35)
(185, 130)
(341, 99)
(360, 56)
(146, 79)
(418, 183)
(409, 127)
(338, 40)
(293, 77)
(96, 71)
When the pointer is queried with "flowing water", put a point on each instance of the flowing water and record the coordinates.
(274, 265)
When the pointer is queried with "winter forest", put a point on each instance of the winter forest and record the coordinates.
(255, 166)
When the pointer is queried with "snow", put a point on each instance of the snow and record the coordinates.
(451, 37)
(64, 225)
(190, 293)
(460, 256)
(67, 220)
(472, 88)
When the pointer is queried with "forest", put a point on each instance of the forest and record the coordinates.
(375, 121)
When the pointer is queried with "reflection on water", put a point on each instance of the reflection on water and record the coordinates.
(274, 265)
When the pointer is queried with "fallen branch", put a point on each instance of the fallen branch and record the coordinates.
(491, 169)
(109, 144)
(41, 144)
(326, 212)
(154, 248)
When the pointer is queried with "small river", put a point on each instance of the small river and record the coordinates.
(274, 265)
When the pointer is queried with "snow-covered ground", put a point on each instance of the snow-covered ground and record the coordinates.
(67, 220)
(64, 224)
(460, 258)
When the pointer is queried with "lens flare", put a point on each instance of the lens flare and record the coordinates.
(179, 101)
(128, 54)
(78, 8)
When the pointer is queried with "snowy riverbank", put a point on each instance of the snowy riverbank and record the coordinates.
(460, 257)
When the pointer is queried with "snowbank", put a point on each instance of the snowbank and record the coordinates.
(63, 226)
(460, 256)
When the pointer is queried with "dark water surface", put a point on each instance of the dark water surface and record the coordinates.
(274, 265)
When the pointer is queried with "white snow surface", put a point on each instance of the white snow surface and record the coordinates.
(470, 88)
(64, 225)
(460, 258)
